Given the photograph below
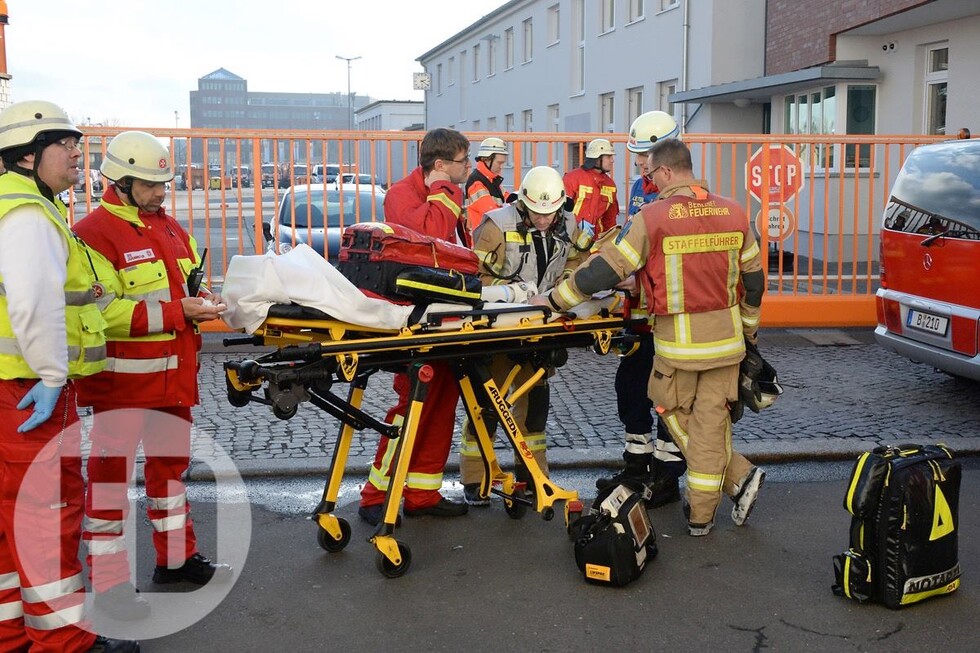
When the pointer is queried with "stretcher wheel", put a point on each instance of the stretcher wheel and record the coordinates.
(516, 509)
(326, 541)
(391, 570)
(548, 513)
(284, 413)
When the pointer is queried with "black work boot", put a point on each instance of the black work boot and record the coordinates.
(106, 645)
(663, 485)
(197, 570)
(638, 471)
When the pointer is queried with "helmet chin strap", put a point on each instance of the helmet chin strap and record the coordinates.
(126, 186)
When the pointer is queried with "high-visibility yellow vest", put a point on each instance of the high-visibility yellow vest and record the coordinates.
(84, 323)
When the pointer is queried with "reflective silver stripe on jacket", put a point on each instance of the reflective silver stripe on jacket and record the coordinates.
(162, 295)
(72, 297)
(10, 347)
(154, 318)
(140, 365)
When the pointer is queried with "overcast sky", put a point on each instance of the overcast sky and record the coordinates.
(135, 61)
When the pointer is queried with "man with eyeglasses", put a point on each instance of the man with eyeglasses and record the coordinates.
(699, 264)
(51, 332)
(429, 201)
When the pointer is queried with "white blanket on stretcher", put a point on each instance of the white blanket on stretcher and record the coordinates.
(301, 276)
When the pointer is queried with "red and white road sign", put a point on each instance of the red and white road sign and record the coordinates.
(784, 177)
(778, 223)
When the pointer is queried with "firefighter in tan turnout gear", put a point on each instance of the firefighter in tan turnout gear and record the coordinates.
(700, 267)
(524, 248)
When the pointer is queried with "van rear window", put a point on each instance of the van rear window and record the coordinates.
(938, 191)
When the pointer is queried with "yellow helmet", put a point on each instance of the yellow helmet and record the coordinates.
(491, 146)
(650, 127)
(598, 147)
(138, 155)
(542, 190)
(21, 123)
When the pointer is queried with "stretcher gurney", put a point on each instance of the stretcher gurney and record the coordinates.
(315, 352)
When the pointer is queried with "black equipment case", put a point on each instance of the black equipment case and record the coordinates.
(615, 540)
(398, 263)
(903, 537)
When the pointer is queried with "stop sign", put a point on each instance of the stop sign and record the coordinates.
(784, 178)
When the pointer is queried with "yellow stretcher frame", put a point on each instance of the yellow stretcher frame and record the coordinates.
(315, 351)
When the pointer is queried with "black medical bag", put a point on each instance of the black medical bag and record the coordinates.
(904, 502)
(398, 263)
(615, 540)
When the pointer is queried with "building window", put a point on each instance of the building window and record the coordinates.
(607, 18)
(554, 27)
(668, 4)
(528, 40)
(634, 103)
(578, 57)
(492, 54)
(860, 120)
(476, 125)
(509, 127)
(937, 74)
(817, 111)
(665, 90)
(527, 117)
(439, 79)
(554, 115)
(508, 48)
(476, 62)
(492, 124)
(635, 10)
(451, 71)
(607, 111)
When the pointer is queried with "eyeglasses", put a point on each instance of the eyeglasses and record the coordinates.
(70, 143)
(652, 172)
(465, 160)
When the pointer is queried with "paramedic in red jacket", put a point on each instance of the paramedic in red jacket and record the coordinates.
(152, 365)
(593, 189)
(429, 201)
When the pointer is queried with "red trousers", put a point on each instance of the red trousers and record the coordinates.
(42, 592)
(432, 442)
(166, 437)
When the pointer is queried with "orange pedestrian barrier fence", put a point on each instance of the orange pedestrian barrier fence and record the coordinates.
(816, 200)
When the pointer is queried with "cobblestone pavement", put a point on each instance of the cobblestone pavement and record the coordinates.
(843, 395)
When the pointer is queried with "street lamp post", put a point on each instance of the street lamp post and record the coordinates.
(350, 100)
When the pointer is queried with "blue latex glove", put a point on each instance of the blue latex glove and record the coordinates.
(44, 400)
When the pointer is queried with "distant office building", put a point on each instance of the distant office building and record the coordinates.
(222, 101)
(387, 116)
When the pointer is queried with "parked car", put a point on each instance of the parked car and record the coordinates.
(351, 181)
(270, 175)
(928, 306)
(307, 215)
(301, 174)
(325, 173)
(244, 173)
